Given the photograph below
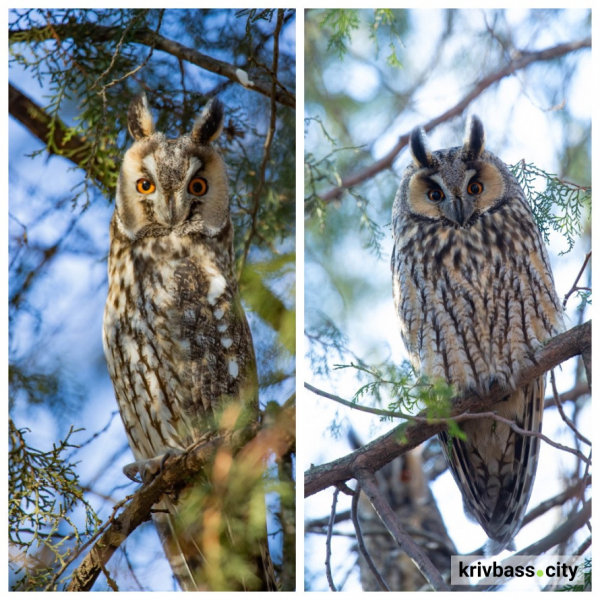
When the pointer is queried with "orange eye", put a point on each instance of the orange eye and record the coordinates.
(144, 186)
(475, 188)
(198, 186)
(436, 195)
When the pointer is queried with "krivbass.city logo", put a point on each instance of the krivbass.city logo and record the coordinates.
(486, 571)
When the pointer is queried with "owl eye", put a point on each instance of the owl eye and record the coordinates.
(198, 186)
(436, 195)
(144, 186)
(475, 188)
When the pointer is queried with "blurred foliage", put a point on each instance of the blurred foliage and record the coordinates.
(82, 67)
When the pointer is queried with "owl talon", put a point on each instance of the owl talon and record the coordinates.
(146, 469)
(131, 471)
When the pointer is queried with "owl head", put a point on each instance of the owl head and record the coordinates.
(454, 186)
(172, 185)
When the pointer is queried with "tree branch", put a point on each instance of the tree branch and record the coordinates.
(407, 436)
(328, 543)
(560, 534)
(558, 500)
(368, 483)
(37, 121)
(275, 438)
(361, 542)
(150, 38)
(525, 59)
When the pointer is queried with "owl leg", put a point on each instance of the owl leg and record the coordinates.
(149, 468)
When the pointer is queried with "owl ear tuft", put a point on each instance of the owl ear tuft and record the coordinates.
(474, 137)
(419, 148)
(209, 124)
(139, 118)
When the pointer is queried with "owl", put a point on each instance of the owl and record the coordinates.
(176, 340)
(475, 298)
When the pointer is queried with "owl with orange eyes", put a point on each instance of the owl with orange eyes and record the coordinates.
(177, 343)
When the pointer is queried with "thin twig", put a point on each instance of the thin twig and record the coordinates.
(148, 37)
(586, 478)
(583, 547)
(566, 419)
(267, 146)
(561, 534)
(328, 543)
(361, 542)
(558, 500)
(367, 481)
(574, 287)
(457, 419)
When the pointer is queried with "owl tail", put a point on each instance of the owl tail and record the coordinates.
(495, 467)
(191, 554)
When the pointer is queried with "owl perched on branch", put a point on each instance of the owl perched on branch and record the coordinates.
(475, 298)
(177, 343)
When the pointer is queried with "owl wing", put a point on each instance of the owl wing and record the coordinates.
(406, 299)
(495, 467)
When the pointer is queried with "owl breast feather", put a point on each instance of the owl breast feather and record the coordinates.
(474, 303)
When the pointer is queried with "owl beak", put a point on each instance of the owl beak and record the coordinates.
(177, 211)
(458, 210)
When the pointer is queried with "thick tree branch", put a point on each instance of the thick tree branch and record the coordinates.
(150, 38)
(368, 483)
(407, 436)
(276, 439)
(524, 60)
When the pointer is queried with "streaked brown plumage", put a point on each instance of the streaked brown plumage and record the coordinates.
(475, 297)
(177, 343)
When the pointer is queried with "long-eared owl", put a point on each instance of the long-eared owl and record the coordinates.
(177, 343)
(475, 297)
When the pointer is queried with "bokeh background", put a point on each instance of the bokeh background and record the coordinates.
(370, 77)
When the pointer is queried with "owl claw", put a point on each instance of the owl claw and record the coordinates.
(148, 469)
(132, 469)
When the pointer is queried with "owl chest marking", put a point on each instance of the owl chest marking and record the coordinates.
(172, 337)
(476, 289)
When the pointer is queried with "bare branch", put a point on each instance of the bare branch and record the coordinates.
(328, 543)
(581, 389)
(574, 287)
(408, 436)
(560, 534)
(524, 60)
(566, 419)
(361, 542)
(458, 418)
(558, 500)
(367, 481)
